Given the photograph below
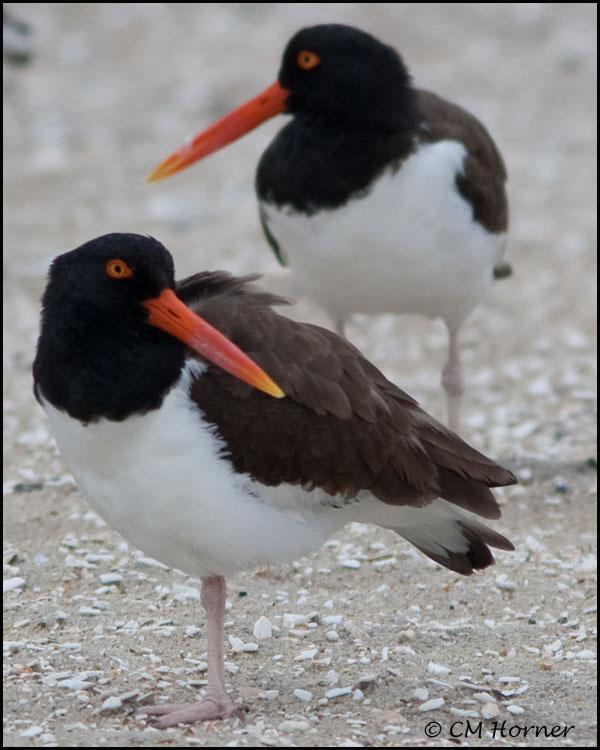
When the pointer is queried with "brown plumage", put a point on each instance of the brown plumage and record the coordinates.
(483, 178)
(344, 427)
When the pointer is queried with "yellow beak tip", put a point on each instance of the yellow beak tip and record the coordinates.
(272, 389)
(154, 176)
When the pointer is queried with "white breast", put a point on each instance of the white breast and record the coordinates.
(409, 245)
(160, 480)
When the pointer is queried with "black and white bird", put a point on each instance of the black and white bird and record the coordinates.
(157, 396)
(380, 197)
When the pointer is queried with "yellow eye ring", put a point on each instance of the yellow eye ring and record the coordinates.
(307, 59)
(118, 269)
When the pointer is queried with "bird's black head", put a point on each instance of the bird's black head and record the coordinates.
(339, 74)
(97, 356)
(114, 333)
(336, 80)
(108, 277)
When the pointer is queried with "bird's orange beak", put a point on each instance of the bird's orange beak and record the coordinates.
(170, 314)
(224, 131)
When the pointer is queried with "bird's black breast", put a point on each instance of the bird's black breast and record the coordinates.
(311, 167)
(106, 377)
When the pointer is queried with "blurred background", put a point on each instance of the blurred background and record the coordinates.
(109, 90)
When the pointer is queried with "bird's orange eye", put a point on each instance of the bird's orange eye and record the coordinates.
(307, 59)
(118, 269)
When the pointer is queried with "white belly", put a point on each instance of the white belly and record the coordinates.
(159, 480)
(409, 245)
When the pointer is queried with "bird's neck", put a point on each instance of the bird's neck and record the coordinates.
(313, 165)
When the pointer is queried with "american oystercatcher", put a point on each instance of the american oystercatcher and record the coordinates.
(381, 197)
(211, 474)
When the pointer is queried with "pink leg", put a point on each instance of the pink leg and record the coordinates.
(452, 382)
(216, 703)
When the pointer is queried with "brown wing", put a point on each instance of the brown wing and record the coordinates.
(342, 427)
(483, 180)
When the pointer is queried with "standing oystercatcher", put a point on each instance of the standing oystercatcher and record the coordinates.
(211, 475)
(381, 197)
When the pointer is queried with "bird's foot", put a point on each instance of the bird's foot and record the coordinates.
(171, 714)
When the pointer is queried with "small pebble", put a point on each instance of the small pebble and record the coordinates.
(238, 646)
(182, 592)
(512, 709)
(503, 582)
(89, 611)
(490, 711)
(262, 628)
(308, 654)
(303, 695)
(421, 694)
(534, 545)
(586, 655)
(438, 669)
(108, 578)
(524, 430)
(111, 704)
(54, 677)
(484, 697)
(192, 630)
(589, 564)
(31, 732)
(338, 692)
(12, 583)
(393, 729)
(290, 621)
(365, 678)
(293, 726)
(332, 677)
(152, 563)
(432, 705)
(465, 713)
(74, 684)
